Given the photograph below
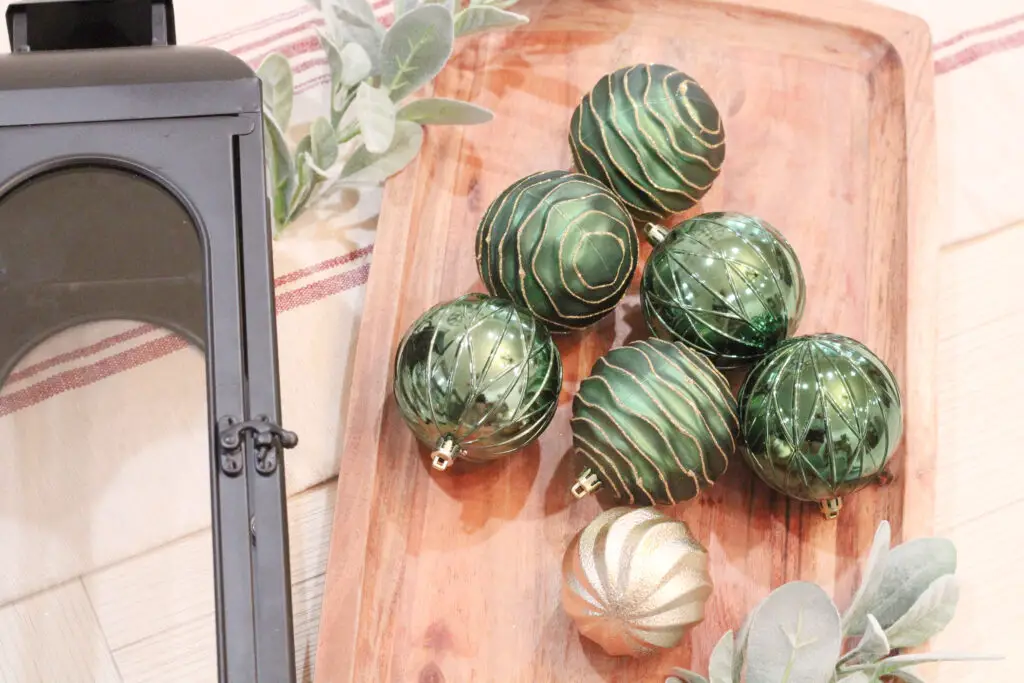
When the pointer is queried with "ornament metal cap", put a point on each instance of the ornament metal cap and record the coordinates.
(586, 484)
(445, 453)
(655, 234)
(830, 508)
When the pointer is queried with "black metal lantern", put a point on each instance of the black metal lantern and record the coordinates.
(101, 115)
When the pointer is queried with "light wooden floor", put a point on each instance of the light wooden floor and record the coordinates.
(150, 619)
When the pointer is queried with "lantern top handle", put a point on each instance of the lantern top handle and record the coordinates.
(53, 25)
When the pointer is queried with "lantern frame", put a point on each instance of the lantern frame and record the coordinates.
(190, 119)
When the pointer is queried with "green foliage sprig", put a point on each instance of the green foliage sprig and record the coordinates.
(797, 635)
(373, 71)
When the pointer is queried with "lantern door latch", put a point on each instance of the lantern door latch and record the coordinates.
(269, 439)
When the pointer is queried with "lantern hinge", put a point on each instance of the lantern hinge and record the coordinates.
(268, 439)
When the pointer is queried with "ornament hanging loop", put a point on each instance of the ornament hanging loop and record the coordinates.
(830, 508)
(586, 484)
(444, 455)
(655, 234)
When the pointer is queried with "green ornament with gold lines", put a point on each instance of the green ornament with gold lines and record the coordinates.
(476, 379)
(560, 245)
(654, 424)
(651, 134)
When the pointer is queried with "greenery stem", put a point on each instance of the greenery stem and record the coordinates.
(348, 132)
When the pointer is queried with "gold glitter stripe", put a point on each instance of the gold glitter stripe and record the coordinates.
(670, 136)
(693, 405)
(625, 409)
(639, 159)
(668, 415)
(622, 456)
(594, 459)
(731, 425)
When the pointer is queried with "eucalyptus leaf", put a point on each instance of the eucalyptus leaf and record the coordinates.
(280, 167)
(323, 145)
(874, 569)
(480, 18)
(415, 49)
(364, 166)
(684, 676)
(873, 644)
(278, 87)
(334, 62)
(303, 186)
(352, 21)
(928, 616)
(909, 570)
(720, 664)
(356, 64)
(501, 4)
(305, 145)
(893, 664)
(740, 645)
(795, 637)
(376, 115)
(906, 677)
(403, 6)
(450, 5)
(444, 111)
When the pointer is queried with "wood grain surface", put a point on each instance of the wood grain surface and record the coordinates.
(828, 112)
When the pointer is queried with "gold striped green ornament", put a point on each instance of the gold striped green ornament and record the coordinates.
(560, 245)
(726, 284)
(476, 379)
(655, 423)
(651, 134)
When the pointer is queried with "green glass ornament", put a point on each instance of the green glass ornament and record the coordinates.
(652, 135)
(654, 422)
(726, 284)
(477, 378)
(559, 244)
(821, 416)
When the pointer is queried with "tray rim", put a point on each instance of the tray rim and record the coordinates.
(905, 36)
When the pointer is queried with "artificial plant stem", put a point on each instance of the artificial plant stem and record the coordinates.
(348, 132)
(350, 97)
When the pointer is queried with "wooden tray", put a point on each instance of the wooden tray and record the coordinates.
(828, 111)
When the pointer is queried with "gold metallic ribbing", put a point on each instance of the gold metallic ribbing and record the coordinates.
(635, 581)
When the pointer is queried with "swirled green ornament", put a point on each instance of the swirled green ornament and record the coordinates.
(821, 416)
(651, 134)
(559, 244)
(476, 378)
(727, 284)
(654, 423)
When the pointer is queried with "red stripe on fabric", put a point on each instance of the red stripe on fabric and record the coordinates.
(1002, 23)
(977, 51)
(297, 49)
(266, 40)
(307, 65)
(90, 374)
(142, 330)
(158, 348)
(322, 289)
(234, 33)
(323, 265)
(89, 350)
(309, 85)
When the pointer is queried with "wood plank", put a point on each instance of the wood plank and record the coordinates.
(456, 576)
(54, 636)
(977, 493)
(157, 609)
(979, 470)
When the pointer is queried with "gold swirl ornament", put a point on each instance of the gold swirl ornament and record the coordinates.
(635, 581)
(652, 135)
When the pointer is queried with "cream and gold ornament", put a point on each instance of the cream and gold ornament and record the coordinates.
(635, 581)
